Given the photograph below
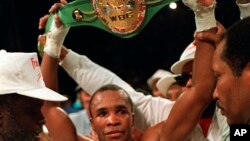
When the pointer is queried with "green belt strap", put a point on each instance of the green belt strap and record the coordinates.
(90, 19)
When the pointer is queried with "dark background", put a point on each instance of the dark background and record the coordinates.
(159, 45)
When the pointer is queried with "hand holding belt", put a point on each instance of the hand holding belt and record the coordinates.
(123, 18)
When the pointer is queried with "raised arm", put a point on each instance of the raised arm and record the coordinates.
(59, 125)
(187, 111)
(91, 76)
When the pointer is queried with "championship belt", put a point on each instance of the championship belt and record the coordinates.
(123, 18)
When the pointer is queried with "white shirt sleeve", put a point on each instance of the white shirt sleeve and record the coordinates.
(90, 76)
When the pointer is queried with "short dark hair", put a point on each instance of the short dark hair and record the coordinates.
(111, 87)
(236, 52)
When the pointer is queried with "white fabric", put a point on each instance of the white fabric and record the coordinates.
(186, 56)
(204, 16)
(149, 110)
(215, 132)
(20, 73)
(54, 40)
(224, 127)
(157, 75)
(91, 76)
(244, 10)
(164, 83)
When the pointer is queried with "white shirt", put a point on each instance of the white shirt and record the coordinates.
(218, 129)
(91, 76)
(148, 110)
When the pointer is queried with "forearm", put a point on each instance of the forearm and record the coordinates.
(49, 67)
(204, 80)
(59, 125)
(181, 120)
(51, 110)
(89, 75)
(185, 114)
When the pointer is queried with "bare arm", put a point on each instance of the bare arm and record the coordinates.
(186, 112)
(152, 133)
(58, 123)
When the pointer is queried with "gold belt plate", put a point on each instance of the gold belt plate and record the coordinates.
(120, 16)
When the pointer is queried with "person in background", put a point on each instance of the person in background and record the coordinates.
(211, 119)
(231, 67)
(22, 97)
(205, 20)
(152, 81)
(81, 118)
(170, 87)
(68, 105)
(91, 76)
(228, 66)
(208, 126)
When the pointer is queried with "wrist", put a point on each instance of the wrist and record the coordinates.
(205, 21)
(244, 9)
(205, 17)
(242, 1)
(52, 49)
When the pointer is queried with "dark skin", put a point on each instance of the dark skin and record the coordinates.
(52, 110)
(29, 122)
(232, 89)
(26, 111)
(112, 116)
(197, 97)
(205, 100)
(154, 133)
(48, 67)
